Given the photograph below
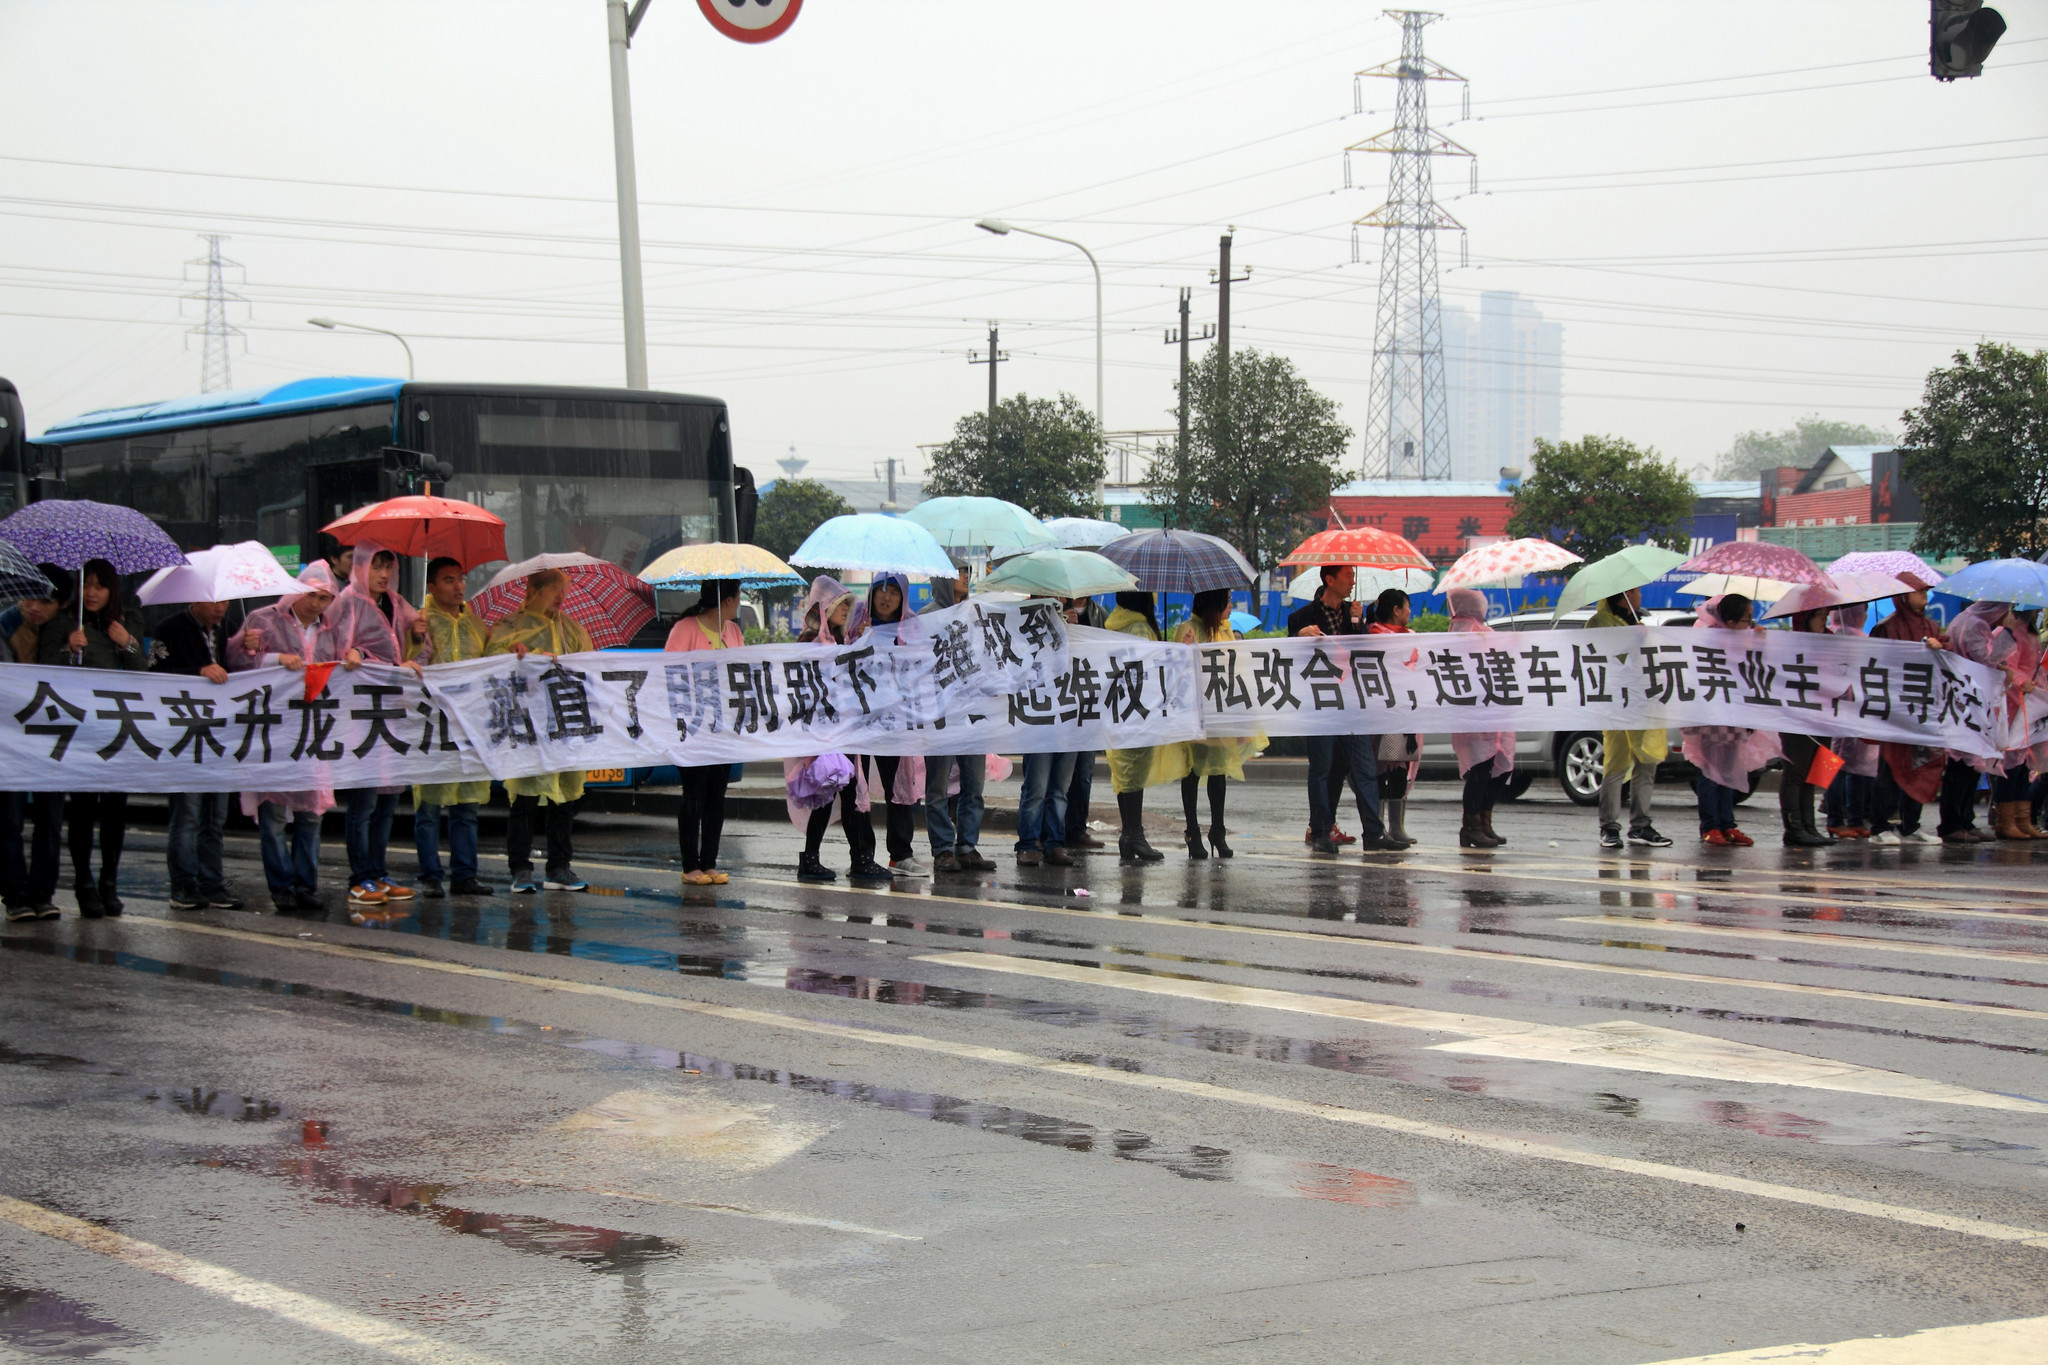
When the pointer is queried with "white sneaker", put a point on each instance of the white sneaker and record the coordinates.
(1920, 836)
(1886, 836)
(908, 867)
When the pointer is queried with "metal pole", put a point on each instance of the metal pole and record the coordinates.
(993, 360)
(635, 311)
(1183, 374)
(1223, 316)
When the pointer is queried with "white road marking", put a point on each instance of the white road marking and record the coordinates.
(801, 1220)
(2016, 1341)
(1471, 1138)
(289, 1304)
(1622, 1045)
(1446, 950)
(1817, 936)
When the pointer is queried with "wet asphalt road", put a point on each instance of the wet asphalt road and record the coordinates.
(1538, 1104)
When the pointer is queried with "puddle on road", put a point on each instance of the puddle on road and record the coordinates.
(46, 1324)
(51, 1061)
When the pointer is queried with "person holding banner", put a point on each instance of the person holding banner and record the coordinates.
(2013, 791)
(1628, 757)
(1725, 754)
(700, 813)
(1331, 758)
(1215, 759)
(30, 874)
(810, 782)
(453, 634)
(195, 643)
(539, 627)
(1809, 764)
(1133, 770)
(1852, 798)
(1908, 776)
(373, 624)
(1985, 633)
(1481, 757)
(1400, 756)
(1082, 611)
(900, 777)
(292, 633)
(107, 637)
(953, 846)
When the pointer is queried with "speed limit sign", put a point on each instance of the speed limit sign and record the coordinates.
(751, 21)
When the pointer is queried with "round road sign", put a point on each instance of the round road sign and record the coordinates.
(751, 21)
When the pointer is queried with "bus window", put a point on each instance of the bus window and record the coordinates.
(162, 475)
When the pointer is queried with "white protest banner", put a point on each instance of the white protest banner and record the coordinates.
(1629, 678)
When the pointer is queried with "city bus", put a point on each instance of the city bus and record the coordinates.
(621, 474)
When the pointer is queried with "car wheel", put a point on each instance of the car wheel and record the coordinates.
(1579, 762)
(1510, 786)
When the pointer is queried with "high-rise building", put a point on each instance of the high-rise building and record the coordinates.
(1504, 376)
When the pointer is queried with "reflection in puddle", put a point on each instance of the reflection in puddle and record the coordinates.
(48, 1324)
(51, 1061)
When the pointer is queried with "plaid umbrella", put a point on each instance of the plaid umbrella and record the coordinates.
(1179, 561)
(603, 598)
(19, 578)
(1758, 559)
(67, 534)
(1368, 547)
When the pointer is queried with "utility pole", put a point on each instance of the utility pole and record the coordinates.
(995, 358)
(622, 25)
(1180, 336)
(889, 502)
(214, 332)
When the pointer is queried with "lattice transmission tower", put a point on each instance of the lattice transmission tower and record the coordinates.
(214, 329)
(1407, 432)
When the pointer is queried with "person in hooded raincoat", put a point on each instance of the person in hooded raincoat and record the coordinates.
(1725, 754)
(1908, 776)
(2015, 788)
(540, 627)
(827, 616)
(1628, 757)
(955, 838)
(290, 634)
(1985, 633)
(372, 623)
(1133, 770)
(1481, 757)
(1215, 759)
(1852, 796)
(700, 813)
(899, 778)
(1796, 789)
(452, 634)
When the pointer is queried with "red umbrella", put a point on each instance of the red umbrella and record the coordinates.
(604, 599)
(426, 527)
(1366, 546)
(1758, 559)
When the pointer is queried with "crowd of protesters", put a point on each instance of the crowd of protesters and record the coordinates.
(348, 612)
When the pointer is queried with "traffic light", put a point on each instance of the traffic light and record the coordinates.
(1961, 35)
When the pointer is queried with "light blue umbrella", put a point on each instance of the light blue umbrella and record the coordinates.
(1242, 621)
(1058, 573)
(868, 542)
(2021, 582)
(979, 523)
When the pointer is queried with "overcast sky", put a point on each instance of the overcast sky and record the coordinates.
(1740, 210)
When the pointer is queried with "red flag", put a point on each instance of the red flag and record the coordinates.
(316, 679)
(1821, 773)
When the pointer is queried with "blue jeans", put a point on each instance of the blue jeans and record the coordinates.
(369, 833)
(1079, 792)
(194, 851)
(1717, 805)
(294, 864)
(426, 837)
(937, 820)
(1361, 754)
(1042, 809)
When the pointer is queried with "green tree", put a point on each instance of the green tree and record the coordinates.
(1261, 458)
(791, 510)
(1047, 457)
(1977, 454)
(1596, 495)
(1798, 445)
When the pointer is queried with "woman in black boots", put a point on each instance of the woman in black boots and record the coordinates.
(103, 636)
(1481, 757)
(1215, 759)
(1133, 770)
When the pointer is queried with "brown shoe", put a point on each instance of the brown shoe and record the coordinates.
(2005, 821)
(1029, 857)
(1057, 856)
(972, 861)
(1088, 840)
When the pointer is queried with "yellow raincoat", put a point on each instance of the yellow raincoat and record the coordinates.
(540, 634)
(1214, 757)
(1624, 750)
(1133, 770)
(451, 638)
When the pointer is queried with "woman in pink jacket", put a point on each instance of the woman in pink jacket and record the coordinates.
(700, 816)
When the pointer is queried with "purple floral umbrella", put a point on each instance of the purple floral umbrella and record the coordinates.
(1892, 562)
(68, 534)
(1755, 559)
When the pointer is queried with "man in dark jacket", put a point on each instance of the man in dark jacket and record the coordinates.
(1331, 757)
(195, 643)
(28, 873)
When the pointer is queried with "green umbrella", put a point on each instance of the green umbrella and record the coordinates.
(1057, 573)
(966, 522)
(1620, 571)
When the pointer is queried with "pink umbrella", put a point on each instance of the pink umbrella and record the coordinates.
(1758, 559)
(1893, 562)
(1508, 559)
(1848, 588)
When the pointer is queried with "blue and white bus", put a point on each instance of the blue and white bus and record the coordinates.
(622, 474)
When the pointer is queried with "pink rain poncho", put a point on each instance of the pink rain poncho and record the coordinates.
(1859, 756)
(360, 623)
(1980, 636)
(283, 633)
(908, 788)
(1468, 617)
(809, 783)
(1727, 754)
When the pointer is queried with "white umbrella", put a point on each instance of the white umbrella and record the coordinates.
(226, 573)
(1755, 589)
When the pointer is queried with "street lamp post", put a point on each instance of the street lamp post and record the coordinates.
(1003, 229)
(622, 24)
(331, 323)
